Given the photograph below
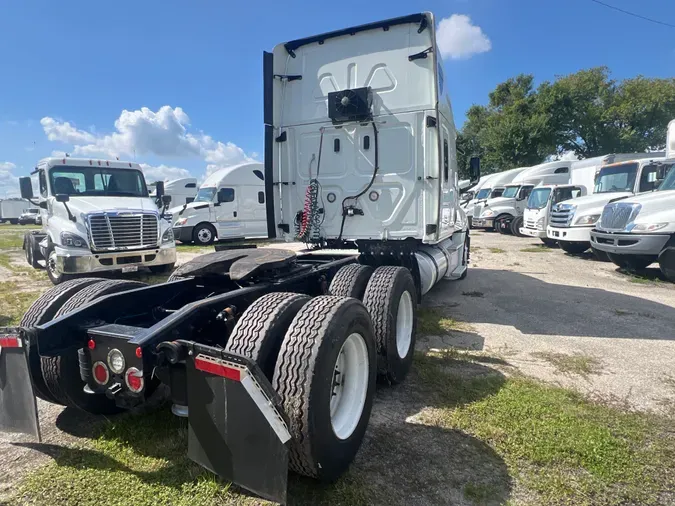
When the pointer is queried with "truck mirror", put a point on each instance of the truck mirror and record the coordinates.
(159, 189)
(166, 200)
(62, 197)
(474, 169)
(26, 187)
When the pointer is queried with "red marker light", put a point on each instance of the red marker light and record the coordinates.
(101, 374)
(91, 344)
(10, 342)
(134, 379)
(139, 352)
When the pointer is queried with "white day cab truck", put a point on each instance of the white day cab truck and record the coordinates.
(571, 221)
(96, 217)
(230, 204)
(637, 231)
(182, 190)
(544, 197)
(505, 213)
(12, 209)
(273, 355)
(493, 188)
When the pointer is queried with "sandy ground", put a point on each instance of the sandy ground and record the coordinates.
(515, 304)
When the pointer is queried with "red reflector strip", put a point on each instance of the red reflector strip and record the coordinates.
(217, 368)
(10, 342)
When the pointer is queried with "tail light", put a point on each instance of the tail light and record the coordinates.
(101, 374)
(134, 379)
(10, 342)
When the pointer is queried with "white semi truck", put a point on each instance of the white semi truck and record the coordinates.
(182, 190)
(543, 197)
(230, 204)
(96, 216)
(505, 213)
(571, 221)
(637, 231)
(493, 189)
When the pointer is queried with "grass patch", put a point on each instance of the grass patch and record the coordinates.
(10, 240)
(431, 321)
(14, 303)
(537, 249)
(142, 460)
(577, 363)
(560, 447)
(497, 250)
(6, 262)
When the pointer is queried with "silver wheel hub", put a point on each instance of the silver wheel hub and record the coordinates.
(51, 263)
(404, 324)
(349, 386)
(204, 235)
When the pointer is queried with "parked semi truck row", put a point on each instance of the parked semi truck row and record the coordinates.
(271, 355)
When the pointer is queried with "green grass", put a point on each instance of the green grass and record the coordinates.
(10, 240)
(537, 249)
(560, 447)
(26, 270)
(431, 321)
(576, 363)
(14, 303)
(497, 250)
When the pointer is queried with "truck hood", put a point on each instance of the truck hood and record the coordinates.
(181, 210)
(500, 201)
(657, 207)
(593, 204)
(87, 205)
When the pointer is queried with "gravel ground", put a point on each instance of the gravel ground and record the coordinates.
(525, 305)
(517, 306)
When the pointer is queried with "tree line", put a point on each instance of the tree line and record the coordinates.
(587, 113)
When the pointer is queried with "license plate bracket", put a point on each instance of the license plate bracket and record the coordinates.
(129, 268)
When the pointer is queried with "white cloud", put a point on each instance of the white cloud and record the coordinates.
(163, 173)
(567, 156)
(143, 132)
(9, 183)
(459, 39)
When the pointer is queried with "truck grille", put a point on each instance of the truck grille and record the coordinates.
(531, 224)
(561, 215)
(616, 216)
(123, 231)
(477, 210)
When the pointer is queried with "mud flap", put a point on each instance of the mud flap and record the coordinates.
(236, 426)
(18, 405)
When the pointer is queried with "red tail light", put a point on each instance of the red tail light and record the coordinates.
(10, 342)
(134, 379)
(101, 374)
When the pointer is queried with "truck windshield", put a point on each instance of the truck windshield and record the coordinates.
(538, 198)
(510, 192)
(97, 182)
(497, 192)
(669, 182)
(616, 178)
(32, 210)
(205, 195)
(483, 193)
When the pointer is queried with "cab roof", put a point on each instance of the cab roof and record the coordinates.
(48, 163)
(638, 161)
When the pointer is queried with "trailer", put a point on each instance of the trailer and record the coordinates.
(273, 355)
(12, 209)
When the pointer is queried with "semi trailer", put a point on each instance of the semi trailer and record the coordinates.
(273, 355)
(96, 217)
(11, 210)
(638, 231)
(623, 175)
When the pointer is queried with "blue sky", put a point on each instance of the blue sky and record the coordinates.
(70, 68)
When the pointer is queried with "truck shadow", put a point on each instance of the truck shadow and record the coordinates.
(537, 307)
(405, 459)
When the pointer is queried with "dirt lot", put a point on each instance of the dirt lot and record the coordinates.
(438, 438)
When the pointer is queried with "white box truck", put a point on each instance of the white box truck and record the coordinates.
(96, 216)
(624, 175)
(230, 204)
(11, 209)
(637, 231)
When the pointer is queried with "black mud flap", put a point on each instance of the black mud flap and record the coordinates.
(18, 405)
(236, 426)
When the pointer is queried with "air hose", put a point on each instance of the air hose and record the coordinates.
(309, 224)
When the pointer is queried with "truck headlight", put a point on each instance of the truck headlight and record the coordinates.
(646, 227)
(540, 223)
(167, 236)
(487, 213)
(73, 240)
(589, 219)
(181, 221)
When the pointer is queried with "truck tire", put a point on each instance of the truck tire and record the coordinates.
(631, 262)
(516, 223)
(351, 281)
(391, 299)
(550, 243)
(501, 226)
(600, 256)
(162, 269)
(330, 338)
(574, 248)
(54, 276)
(31, 249)
(260, 330)
(42, 311)
(204, 234)
(667, 260)
(14, 221)
(466, 255)
(62, 373)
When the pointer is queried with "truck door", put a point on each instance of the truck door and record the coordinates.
(521, 198)
(447, 177)
(226, 210)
